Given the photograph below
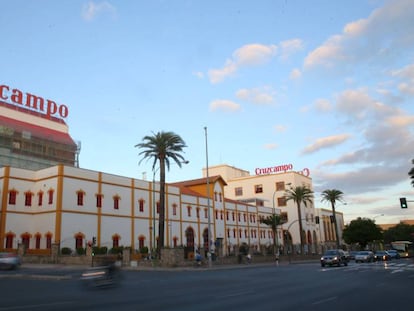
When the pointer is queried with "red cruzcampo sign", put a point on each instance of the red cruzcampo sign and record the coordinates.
(33, 102)
(280, 168)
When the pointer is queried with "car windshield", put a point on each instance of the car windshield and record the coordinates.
(331, 252)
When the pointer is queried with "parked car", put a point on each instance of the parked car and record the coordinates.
(9, 260)
(352, 254)
(334, 257)
(393, 253)
(382, 256)
(364, 256)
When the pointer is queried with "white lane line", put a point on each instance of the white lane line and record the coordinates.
(324, 300)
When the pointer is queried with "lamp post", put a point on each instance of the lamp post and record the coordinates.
(275, 238)
(210, 263)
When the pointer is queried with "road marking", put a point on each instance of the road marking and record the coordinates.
(325, 300)
(36, 306)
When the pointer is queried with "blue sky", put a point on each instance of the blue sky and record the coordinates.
(326, 85)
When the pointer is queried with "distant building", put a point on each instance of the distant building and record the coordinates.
(31, 139)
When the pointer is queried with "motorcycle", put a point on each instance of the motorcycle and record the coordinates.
(102, 276)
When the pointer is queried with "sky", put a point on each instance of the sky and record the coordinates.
(324, 85)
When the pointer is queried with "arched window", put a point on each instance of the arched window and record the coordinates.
(79, 240)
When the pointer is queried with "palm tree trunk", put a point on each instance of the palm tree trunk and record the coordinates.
(335, 224)
(300, 227)
(161, 223)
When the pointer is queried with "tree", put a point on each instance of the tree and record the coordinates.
(400, 232)
(299, 195)
(273, 221)
(161, 147)
(332, 196)
(362, 231)
(411, 173)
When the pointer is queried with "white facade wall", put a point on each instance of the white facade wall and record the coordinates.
(64, 219)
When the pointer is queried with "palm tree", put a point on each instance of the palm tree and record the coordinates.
(333, 196)
(299, 195)
(161, 147)
(273, 221)
(411, 173)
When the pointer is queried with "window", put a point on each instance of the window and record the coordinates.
(205, 213)
(26, 240)
(174, 209)
(280, 186)
(37, 244)
(49, 241)
(158, 207)
(40, 198)
(189, 211)
(238, 191)
(78, 241)
(50, 196)
(80, 195)
(141, 205)
(281, 201)
(258, 189)
(198, 212)
(99, 200)
(215, 195)
(216, 212)
(221, 197)
(141, 242)
(227, 215)
(9, 240)
(28, 198)
(115, 241)
(116, 201)
(12, 197)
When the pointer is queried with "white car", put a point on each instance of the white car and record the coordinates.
(9, 260)
(364, 256)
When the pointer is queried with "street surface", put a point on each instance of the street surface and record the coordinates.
(304, 286)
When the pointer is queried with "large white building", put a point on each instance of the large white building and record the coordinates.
(47, 199)
(268, 187)
(69, 206)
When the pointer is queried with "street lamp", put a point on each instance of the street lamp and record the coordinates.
(275, 237)
(208, 206)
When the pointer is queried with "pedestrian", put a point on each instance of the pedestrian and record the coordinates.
(249, 258)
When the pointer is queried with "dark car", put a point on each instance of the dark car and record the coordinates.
(393, 253)
(382, 256)
(334, 257)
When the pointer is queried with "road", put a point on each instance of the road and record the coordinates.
(246, 287)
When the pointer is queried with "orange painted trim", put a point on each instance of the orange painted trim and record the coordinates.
(59, 203)
(3, 211)
(132, 213)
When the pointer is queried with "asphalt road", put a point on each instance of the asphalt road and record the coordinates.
(384, 286)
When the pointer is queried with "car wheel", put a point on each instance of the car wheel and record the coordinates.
(322, 265)
(345, 263)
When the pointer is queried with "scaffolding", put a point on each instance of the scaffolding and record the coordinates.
(20, 148)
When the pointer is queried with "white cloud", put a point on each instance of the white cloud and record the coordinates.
(323, 105)
(326, 142)
(288, 47)
(384, 34)
(280, 128)
(258, 96)
(92, 9)
(271, 146)
(247, 55)
(224, 105)
(295, 74)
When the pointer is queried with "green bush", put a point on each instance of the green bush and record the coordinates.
(81, 251)
(116, 250)
(66, 251)
(144, 250)
(100, 250)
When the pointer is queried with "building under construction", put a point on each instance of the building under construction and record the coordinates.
(32, 140)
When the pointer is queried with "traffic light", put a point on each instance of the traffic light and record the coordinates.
(94, 240)
(403, 202)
